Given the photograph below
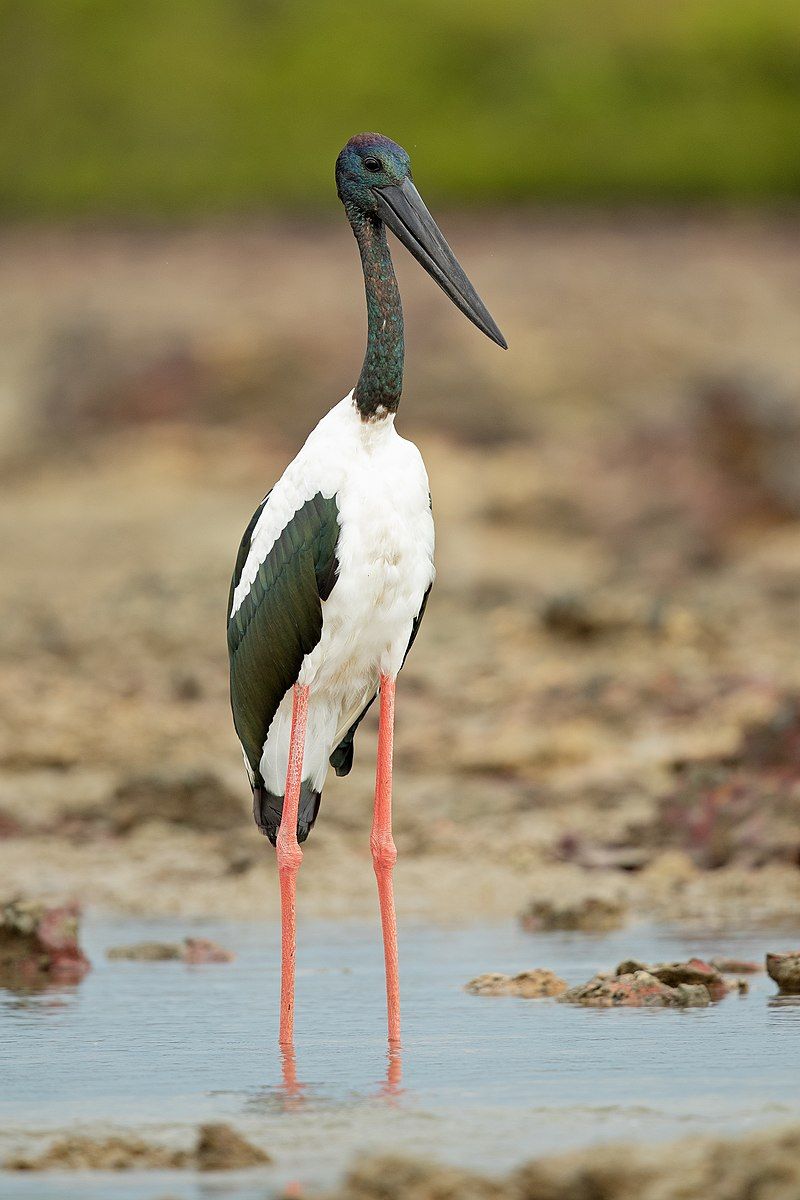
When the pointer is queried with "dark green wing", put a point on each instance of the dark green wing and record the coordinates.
(280, 619)
(342, 758)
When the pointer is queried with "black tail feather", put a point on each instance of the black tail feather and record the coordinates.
(268, 808)
(342, 758)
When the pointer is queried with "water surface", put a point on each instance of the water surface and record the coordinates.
(485, 1082)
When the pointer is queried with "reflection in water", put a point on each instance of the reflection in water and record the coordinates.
(781, 1001)
(291, 1089)
(392, 1087)
(33, 989)
(292, 1095)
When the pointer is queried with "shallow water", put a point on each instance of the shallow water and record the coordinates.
(485, 1082)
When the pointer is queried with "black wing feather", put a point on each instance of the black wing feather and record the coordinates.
(280, 619)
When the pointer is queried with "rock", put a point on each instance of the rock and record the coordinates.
(38, 943)
(764, 1165)
(218, 1148)
(146, 952)
(630, 966)
(221, 1148)
(391, 1177)
(532, 985)
(118, 1153)
(594, 914)
(203, 950)
(192, 950)
(692, 972)
(638, 989)
(491, 983)
(736, 966)
(693, 995)
(785, 970)
(759, 1166)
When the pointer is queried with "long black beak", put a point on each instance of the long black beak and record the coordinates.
(403, 210)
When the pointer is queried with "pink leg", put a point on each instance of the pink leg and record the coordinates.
(384, 853)
(289, 858)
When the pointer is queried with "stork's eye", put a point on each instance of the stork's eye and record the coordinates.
(373, 164)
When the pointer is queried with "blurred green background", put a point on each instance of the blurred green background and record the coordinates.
(202, 106)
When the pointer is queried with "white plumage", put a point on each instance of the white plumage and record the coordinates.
(385, 567)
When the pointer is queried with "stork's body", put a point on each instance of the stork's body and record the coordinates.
(374, 484)
(335, 567)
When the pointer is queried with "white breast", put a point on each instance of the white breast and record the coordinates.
(385, 557)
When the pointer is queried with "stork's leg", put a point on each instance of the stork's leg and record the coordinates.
(289, 858)
(384, 853)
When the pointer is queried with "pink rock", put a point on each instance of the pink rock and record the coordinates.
(639, 989)
(693, 971)
(37, 941)
(202, 950)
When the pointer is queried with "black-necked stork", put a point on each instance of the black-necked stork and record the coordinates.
(334, 569)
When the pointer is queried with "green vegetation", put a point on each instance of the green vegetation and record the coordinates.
(183, 106)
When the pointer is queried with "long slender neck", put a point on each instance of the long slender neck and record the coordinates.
(380, 383)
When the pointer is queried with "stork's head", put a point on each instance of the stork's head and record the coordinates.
(369, 161)
(373, 179)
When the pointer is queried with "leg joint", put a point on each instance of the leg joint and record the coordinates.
(289, 853)
(384, 851)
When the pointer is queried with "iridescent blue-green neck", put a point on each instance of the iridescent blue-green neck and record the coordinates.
(380, 383)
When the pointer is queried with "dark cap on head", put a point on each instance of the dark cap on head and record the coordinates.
(373, 179)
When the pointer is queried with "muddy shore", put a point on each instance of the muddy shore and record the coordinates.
(602, 701)
(763, 1165)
